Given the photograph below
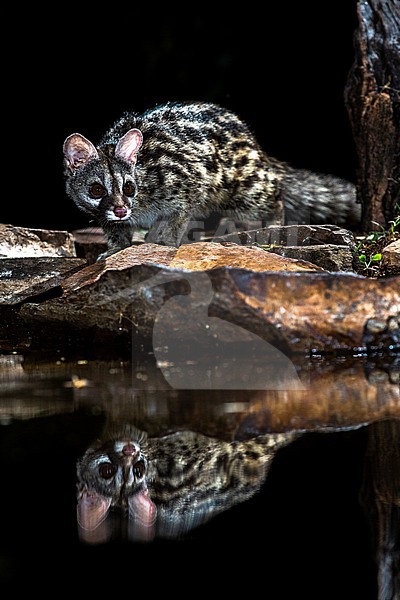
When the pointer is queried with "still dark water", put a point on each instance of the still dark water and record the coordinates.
(319, 522)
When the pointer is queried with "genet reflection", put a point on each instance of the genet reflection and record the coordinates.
(165, 486)
(141, 487)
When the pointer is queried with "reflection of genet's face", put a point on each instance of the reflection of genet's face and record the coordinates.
(188, 476)
(115, 470)
(113, 475)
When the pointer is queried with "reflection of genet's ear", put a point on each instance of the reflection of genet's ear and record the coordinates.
(128, 146)
(143, 514)
(92, 509)
(142, 508)
(78, 151)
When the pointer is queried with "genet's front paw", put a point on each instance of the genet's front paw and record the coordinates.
(166, 239)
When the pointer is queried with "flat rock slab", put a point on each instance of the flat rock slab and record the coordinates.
(21, 278)
(330, 257)
(209, 255)
(328, 246)
(193, 257)
(291, 235)
(22, 242)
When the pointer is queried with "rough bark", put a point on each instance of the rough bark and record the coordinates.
(372, 97)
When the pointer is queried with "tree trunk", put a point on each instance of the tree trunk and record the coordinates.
(372, 97)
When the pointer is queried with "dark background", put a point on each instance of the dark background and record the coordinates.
(282, 66)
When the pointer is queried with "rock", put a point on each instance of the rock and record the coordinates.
(391, 258)
(18, 242)
(140, 255)
(193, 257)
(199, 296)
(209, 255)
(289, 235)
(326, 256)
(21, 278)
(141, 294)
(100, 294)
(328, 246)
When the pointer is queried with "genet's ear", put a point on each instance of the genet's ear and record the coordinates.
(143, 514)
(92, 509)
(128, 146)
(78, 151)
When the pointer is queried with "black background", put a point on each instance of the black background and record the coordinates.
(282, 66)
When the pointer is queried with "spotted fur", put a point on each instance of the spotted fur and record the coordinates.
(185, 161)
(171, 483)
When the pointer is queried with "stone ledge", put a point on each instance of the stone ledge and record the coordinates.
(297, 311)
(391, 258)
(23, 242)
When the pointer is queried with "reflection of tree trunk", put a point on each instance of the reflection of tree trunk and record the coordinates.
(381, 497)
(372, 97)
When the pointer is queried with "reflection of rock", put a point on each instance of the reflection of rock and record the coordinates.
(335, 394)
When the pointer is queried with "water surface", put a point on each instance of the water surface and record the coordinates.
(323, 521)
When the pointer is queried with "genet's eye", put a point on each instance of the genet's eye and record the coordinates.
(107, 470)
(97, 190)
(129, 188)
(138, 469)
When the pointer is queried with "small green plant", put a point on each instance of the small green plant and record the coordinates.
(369, 250)
(395, 224)
(367, 262)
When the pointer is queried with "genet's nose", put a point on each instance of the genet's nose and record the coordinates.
(120, 211)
